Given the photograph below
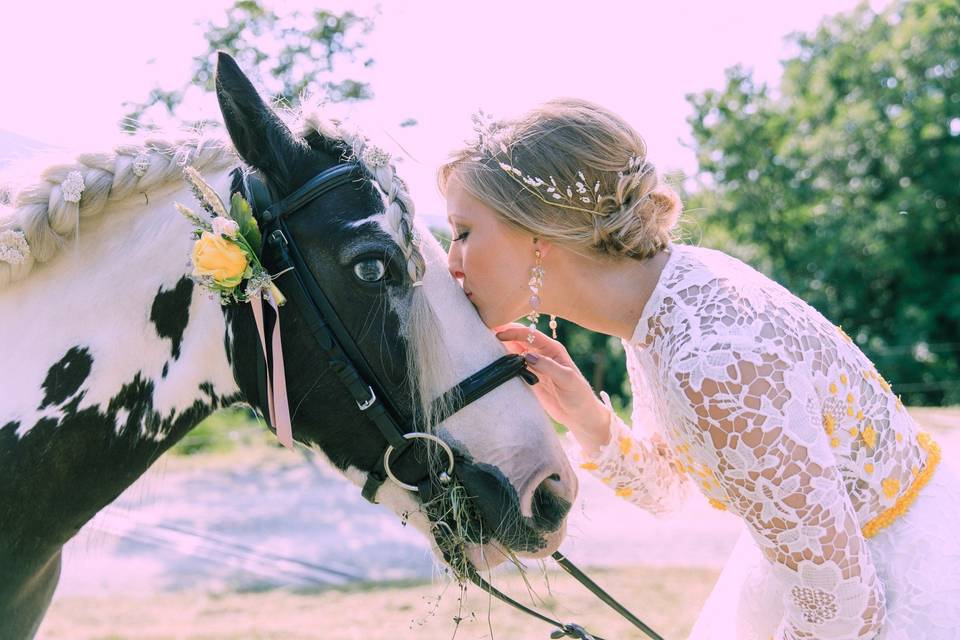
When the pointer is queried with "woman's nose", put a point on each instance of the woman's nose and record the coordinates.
(453, 263)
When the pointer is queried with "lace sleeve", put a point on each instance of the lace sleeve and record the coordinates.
(757, 422)
(642, 470)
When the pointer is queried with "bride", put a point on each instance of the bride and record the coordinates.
(760, 402)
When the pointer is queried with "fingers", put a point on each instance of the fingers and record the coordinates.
(546, 365)
(514, 333)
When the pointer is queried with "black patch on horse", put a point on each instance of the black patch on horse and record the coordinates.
(65, 377)
(170, 312)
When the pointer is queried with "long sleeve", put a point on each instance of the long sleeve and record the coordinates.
(641, 469)
(755, 420)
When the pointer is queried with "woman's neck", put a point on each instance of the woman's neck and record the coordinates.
(603, 296)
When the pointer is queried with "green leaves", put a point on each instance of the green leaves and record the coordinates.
(844, 187)
(243, 216)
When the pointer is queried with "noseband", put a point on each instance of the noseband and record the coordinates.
(280, 254)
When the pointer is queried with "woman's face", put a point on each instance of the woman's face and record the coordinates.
(491, 260)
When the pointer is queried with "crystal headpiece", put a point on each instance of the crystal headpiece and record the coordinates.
(578, 196)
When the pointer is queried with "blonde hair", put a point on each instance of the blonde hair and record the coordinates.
(525, 170)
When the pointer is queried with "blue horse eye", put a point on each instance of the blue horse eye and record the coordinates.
(370, 270)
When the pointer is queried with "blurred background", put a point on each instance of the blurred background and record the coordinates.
(817, 141)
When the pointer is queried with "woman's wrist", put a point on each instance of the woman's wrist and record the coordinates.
(594, 432)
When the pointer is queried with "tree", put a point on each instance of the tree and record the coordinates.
(844, 186)
(285, 54)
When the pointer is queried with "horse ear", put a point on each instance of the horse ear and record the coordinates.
(258, 134)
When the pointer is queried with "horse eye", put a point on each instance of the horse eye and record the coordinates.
(371, 270)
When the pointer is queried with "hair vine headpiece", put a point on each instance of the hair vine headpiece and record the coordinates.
(568, 196)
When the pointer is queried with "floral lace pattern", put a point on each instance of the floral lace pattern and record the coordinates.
(749, 393)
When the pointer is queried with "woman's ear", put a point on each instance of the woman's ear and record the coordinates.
(544, 245)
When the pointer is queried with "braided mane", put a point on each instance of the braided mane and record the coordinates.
(47, 214)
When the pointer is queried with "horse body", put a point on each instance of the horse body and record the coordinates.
(111, 353)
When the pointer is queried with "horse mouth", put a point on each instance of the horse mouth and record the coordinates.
(465, 538)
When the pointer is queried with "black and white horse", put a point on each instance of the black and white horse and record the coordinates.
(110, 353)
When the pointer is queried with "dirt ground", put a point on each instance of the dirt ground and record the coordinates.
(665, 599)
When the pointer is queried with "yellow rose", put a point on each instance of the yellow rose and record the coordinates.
(221, 259)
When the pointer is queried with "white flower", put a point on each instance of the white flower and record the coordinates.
(224, 226)
(375, 157)
(140, 164)
(824, 604)
(13, 246)
(72, 186)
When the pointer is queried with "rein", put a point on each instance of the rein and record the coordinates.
(280, 254)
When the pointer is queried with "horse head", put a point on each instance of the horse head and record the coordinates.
(410, 329)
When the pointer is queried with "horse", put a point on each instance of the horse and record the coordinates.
(112, 351)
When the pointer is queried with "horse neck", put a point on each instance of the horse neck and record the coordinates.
(110, 355)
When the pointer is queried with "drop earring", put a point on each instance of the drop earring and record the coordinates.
(553, 325)
(535, 283)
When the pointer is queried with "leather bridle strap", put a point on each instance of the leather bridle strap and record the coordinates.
(344, 358)
(563, 630)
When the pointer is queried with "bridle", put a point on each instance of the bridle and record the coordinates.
(280, 255)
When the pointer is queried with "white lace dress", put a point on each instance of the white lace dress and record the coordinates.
(851, 527)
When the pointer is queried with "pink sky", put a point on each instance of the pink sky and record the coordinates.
(66, 68)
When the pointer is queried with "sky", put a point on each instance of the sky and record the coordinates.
(67, 68)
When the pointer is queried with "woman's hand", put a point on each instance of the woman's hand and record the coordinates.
(563, 391)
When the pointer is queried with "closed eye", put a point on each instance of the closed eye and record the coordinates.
(460, 237)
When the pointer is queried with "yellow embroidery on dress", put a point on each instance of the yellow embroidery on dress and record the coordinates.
(833, 388)
(870, 436)
(834, 442)
(899, 437)
(843, 378)
(624, 492)
(859, 415)
(716, 504)
(829, 422)
(903, 503)
(854, 432)
(849, 398)
(589, 466)
(625, 445)
(868, 467)
(891, 487)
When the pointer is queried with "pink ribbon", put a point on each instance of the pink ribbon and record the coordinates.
(276, 382)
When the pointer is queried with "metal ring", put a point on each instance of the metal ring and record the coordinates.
(411, 436)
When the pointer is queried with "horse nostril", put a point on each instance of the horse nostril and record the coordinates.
(549, 509)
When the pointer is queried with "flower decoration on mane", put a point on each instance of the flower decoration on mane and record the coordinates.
(13, 246)
(72, 186)
(225, 254)
(580, 195)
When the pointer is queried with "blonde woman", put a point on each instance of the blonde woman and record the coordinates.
(757, 400)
